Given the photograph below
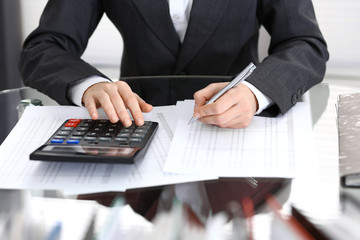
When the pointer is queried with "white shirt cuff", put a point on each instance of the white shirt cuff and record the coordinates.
(263, 100)
(77, 91)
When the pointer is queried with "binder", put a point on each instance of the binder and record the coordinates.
(348, 111)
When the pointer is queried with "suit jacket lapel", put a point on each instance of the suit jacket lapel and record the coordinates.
(204, 17)
(156, 15)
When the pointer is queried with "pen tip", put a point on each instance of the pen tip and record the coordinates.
(193, 119)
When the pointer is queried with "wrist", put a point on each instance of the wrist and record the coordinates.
(262, 100)
(77, 90)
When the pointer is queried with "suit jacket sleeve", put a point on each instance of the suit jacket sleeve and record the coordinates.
(50, 60)
(297, 53)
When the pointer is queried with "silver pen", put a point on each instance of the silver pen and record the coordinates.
(238, 79)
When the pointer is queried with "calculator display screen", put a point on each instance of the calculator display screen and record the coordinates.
(96, 150)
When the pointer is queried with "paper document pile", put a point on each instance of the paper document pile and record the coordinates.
(270, 147)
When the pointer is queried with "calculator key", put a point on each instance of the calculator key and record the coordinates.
(114, 125)
(60, 136)
(74, 120)
(100, 125)
(102, 121)
(121, 139)
(145, 127)
(82, 129)
(63, 133)
(76, 137)
(147, 124)
(138, 135)
(92, 134)
(88, 138)
(57, 140)
(133, 126)
(122, 134)
(70, 124)
(67, 128)
(135, 140)
(140, 131)
(87, 120)
(127, 130)
(77, 133)
(104, 139)
(110, 130)
(107, 134)
(73, 141)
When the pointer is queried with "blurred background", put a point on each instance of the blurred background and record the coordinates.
(338, 20)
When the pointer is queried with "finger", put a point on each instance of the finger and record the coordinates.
(144, 106)
(204, 95)
(234, 117)
(90, 105)
(235, 123)
(221, 119)
(119, 107)
(110, 111)
(131, 103)
(221, 105)
(234, 109)
(242, 120)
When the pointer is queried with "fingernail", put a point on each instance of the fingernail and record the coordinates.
(114, 118)
(140, 122)
(197, 115)
(128, 123)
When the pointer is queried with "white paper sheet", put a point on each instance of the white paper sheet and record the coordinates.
(269, 147)
(33, 129)
(37, 125)
(149, 170)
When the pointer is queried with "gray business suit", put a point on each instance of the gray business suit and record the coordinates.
(221, 39)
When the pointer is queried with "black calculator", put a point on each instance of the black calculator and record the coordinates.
(100, 141)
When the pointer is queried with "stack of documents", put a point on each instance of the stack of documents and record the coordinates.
(270, 147)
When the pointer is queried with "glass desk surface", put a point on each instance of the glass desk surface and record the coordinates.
(318, 197)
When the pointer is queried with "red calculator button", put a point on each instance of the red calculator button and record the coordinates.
(72, 122)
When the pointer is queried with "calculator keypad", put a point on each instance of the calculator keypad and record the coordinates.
(87, 140)
(100, 132)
